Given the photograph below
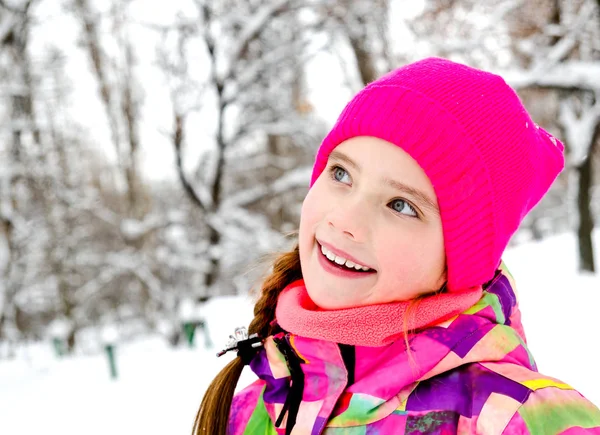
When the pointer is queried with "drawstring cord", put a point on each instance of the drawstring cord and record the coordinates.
(248, 345)
(294, 396)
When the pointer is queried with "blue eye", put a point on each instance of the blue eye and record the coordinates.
(403, 207)
(338, 173)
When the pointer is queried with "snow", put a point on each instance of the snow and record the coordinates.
(579, 131)
(250, 30)
(559, 309)
(159, 388)
(59, 328)
(157, 391)
(569, 74)
(295, 178)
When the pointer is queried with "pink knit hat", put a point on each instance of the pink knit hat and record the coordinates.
(489, 163)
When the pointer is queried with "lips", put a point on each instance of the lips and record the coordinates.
(341, 261)
(339, 265)
(342, 254)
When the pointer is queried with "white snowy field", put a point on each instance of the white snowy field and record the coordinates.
(159, 388)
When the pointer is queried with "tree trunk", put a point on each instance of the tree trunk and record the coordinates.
(212, 275)
(586, 221)
(360, 39)
(5, 258)
(364, 61)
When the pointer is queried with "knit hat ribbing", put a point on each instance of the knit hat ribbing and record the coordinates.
(488, 162)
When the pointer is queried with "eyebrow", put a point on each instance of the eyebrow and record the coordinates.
(421, 197)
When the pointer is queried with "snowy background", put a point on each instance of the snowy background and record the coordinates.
(153, 153)
(159, 389)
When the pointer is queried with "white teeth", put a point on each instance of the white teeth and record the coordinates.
(342, 261)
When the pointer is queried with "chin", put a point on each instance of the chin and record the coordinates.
(325, 302)
(320, 300)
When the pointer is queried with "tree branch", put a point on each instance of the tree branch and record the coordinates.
(204, 203)
(567, 75)
(249, 33)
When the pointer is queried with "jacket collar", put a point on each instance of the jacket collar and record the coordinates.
(386, 375)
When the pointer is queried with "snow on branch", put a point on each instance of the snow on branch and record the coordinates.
(145, 275)
(579, 130)
(17, 7)
(583, 75)
(133, 229)
(6, 27)
(287, 127)
(252, 72)
(114, 265)
(259, 161)
(256, 225)
(247, 196)
(290, 180)
(252, 29)
(569, 41)
(91, 288)
(299, 177)
(90, 204)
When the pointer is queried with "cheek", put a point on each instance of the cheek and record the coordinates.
(312, 207)
(309, 216)
(398, 259)
(412, 254)
(305, 215)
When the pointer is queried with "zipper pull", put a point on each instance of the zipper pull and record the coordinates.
(245, 345)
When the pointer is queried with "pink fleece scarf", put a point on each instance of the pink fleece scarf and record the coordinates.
(371, 325)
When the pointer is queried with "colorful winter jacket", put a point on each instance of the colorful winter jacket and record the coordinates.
(472, 374)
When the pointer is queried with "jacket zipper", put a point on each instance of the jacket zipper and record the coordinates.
(349, 356)
(294, 396)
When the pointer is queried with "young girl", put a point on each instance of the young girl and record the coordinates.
(394, 314)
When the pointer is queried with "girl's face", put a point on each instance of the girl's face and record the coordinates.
(372, 207)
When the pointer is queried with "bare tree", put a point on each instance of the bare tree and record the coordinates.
(547, 50)
(254, 54)
(365, 27)
(119, 93)
(25, 138)
(566, 60)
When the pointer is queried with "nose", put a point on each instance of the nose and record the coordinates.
(350, 218)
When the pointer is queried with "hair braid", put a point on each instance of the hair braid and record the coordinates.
(286, 269)
(213, 414)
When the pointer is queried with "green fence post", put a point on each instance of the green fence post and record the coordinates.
(59, 346)
(59, 330)
(110, 353)
(189, 329)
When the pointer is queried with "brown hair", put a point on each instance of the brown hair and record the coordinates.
(213, 414)
(409, 316)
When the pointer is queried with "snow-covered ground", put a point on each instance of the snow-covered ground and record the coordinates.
(159, 388)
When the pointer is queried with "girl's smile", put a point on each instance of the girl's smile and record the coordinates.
(342, 266)
(342, 258)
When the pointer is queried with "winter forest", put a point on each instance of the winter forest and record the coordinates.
(154, 155)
